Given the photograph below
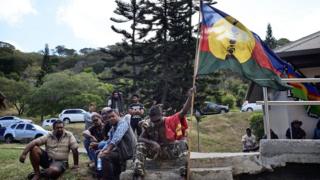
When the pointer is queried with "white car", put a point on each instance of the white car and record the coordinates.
(49, 122)
(72, 115)
(250, 107)
(6, 121)
(23, 131)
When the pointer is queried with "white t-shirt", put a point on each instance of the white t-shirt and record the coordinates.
(248, 142)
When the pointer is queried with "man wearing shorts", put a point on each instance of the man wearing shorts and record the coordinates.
(54, 159)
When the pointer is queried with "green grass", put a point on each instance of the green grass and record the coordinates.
(220, 133)
(11, 168)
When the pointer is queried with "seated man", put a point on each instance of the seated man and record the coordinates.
(119, 147)
(249, 141)
(296, 132)
(55, 158)
(94, 134)
(163, 138)
(106, 128)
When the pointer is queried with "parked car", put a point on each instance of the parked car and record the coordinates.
(213, 108)
(6, 121)
(72, 115)
(48, 122)
(23, 131)
(249, 107)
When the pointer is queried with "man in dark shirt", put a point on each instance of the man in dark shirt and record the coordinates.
(94, 134)
(136, 110)
(105, 130)
(296, 131)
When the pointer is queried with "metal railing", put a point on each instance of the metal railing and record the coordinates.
(268, 103)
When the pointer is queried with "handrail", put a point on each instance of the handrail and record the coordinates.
(290, 80)
(293, 103)
(300, 80)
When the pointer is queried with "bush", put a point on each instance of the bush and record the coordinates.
(256, 125)
(229, 100)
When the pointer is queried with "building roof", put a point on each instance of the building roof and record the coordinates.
(311, 41)
(302, 53)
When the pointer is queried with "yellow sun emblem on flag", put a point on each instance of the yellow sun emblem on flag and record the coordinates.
(228, 36)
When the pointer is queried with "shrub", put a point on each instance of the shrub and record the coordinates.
(229, 100)
(256, 125)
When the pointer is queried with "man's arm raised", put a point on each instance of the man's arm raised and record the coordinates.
(187, 104)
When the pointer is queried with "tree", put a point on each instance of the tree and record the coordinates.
(63, 51)
(2, 101)
(282, 42)
(173, 48)
(132, 13)
(45, 67)
(270, 40)
(86, 51)
(16, 93)
(67, 90)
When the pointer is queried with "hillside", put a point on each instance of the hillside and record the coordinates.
(220, 133)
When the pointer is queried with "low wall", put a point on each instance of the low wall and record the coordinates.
(276, 153)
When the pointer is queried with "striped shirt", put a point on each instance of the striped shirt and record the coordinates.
(117, 132)
(58, 149)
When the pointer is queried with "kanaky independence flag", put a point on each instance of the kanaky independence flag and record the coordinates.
(227, 44)
(304, 91)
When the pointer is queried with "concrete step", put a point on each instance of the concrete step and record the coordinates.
(239, 162)
(218, 173)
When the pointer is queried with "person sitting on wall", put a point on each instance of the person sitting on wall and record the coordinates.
(163, 138)
(296, 132)
(249, 141)
(118, 148)
(316, 134)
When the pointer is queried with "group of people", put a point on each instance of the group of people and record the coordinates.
(294, 132)
(112, 138)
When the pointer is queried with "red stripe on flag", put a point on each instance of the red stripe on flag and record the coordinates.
(204, 44)
(261, 58)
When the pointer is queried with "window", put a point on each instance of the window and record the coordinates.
(30, 127)
(20, 126)
(77, 111)
(13, 126)
(6, 118)
(68, 112)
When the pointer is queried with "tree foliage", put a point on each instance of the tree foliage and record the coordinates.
(67, 90)
(256, 124)
(270, 40)
(282, 42)
(16, 93)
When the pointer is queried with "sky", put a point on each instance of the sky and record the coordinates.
(76, 24)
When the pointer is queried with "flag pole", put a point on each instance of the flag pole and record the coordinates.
(195, 69)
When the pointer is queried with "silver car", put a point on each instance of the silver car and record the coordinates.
(6, 121)
(23, 131)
